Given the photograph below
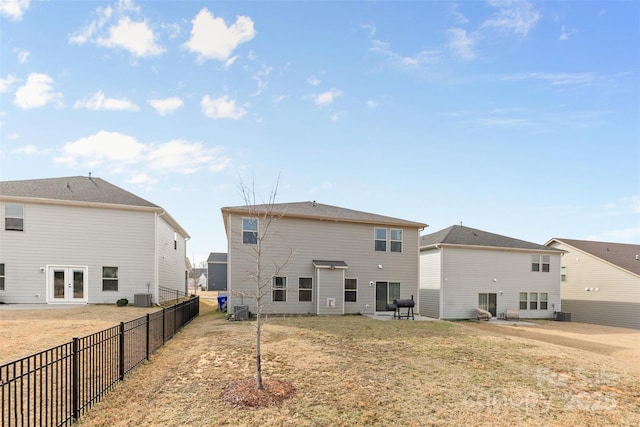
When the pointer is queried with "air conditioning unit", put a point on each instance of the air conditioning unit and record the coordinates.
(241, 312)
(142, 300)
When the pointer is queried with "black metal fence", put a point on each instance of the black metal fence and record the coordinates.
(56, 386)
(170, 295)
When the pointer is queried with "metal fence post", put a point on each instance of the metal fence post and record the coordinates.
(75, 386)
(148, 335)
(121, 362)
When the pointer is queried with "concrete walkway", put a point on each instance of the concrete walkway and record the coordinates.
(388, 315)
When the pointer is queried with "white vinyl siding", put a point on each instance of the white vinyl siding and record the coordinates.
(467, 272)
(79, 236)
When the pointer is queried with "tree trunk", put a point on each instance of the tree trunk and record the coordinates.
(258, 355)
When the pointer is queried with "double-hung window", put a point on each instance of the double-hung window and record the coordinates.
(544, 300)
(380, 238)
(541, 263)
(2, 277)
(14, 217)
(523, 300)
(250, 231)
(350, 290)
(279, 289)
(109, 278)
(305, 289)
(563, 274)
(396, 240)
(533, 300)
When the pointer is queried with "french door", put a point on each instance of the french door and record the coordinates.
(67, 284)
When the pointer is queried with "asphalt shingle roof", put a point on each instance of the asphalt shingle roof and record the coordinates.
(73, 188)
(621, 254)
(217, 257)
(327, 212)
(462, 235)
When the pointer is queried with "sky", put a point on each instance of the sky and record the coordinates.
(520, 118)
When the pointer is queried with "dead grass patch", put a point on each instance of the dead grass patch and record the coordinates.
(245, 394)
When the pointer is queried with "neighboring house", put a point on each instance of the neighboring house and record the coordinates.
(462, 269)
(600, 282)
(83, 240)
(344, 261)
(217, 267)
(200, 281)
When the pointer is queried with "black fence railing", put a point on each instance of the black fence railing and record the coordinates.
(56, 386)
(169, 295)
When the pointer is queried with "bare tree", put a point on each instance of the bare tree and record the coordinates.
(262, 275)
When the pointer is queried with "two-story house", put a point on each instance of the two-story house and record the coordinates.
(83, 240)
(463, 268)
(340, 261)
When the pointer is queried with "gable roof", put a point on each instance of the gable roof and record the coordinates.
(466, 236)
(80, 190)
(622, 255)
(74, 189)
(314, 210)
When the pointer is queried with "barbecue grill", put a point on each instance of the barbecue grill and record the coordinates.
(404, 303)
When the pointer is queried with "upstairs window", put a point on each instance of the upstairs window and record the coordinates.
(109, 278)
(540, 263)
(396, 240)
(1, 277)
(350, 290)
(279, 288)
(305, 289)
(380, 237)
(250, 231)
(14, 217)
(563, 274)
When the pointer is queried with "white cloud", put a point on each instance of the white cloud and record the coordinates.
(422, 58)
(229, 62)
(87, 32)
(556, 79)
(99, 102)
(13, 9)
(23, 55)
(120, 153)
(515, 16)
(186, 158)
(166, 106)
(458, 17)
(371, 28)
(326, 98)
(314, 81)
(461, 43)
(103, 148)
(212, 39)
(7, 83)
(31, 150)
(261, 79)
(37, 92)
(564, 34)
(135, 37)
(279, 98)
(372, 103)
(221, 108)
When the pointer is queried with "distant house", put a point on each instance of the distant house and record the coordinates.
(200, 281)
(217, 268)
(600, 282)
(344, 261)
(83, 240)
(462, 268)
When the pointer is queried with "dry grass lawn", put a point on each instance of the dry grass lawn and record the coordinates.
(355, 371)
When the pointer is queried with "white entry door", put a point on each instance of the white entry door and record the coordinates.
(67, 284)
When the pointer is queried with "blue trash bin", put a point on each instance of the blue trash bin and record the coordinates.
(222, 303)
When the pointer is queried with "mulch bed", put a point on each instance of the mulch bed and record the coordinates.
(245, 394)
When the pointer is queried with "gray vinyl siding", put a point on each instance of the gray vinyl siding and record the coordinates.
(77, 236)
(332, 288)
(609, 313)
(310, 240)
(430, 282)
(616, 302)
(466, 272)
